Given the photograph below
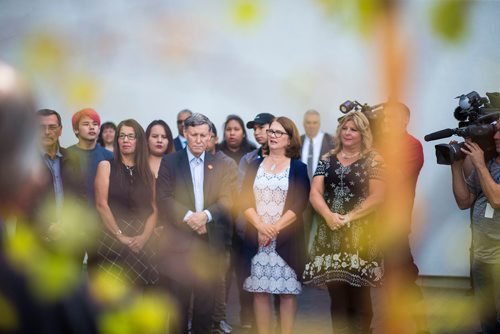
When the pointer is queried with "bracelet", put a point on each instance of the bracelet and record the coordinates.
(119, 232)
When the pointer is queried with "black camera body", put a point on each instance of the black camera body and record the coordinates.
(475, 115)
(375, 115)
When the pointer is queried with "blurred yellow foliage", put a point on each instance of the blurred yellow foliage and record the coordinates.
(51, 275)
(147, 314)
(449, 19)
(106, 289)
(8, 318)
(81, 89)
(44, 52)
(246, 12)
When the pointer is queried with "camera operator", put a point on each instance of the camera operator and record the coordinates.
(481, 192)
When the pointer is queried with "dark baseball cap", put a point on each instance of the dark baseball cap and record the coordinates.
(261, 119)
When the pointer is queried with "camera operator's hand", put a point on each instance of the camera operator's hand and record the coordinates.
(475, 153)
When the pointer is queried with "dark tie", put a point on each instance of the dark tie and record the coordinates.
(310, 154)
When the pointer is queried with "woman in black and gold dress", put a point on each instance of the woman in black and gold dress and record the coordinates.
(346, 189)
(125, 201)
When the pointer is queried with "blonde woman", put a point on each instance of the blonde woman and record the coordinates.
(346, 189)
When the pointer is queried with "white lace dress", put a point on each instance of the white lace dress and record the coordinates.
(269, 272)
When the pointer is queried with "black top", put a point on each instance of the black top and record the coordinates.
(129, 195)
(245, 147)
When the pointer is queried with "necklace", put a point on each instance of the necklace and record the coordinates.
(130, 169)
(275, 164)
(348, 157)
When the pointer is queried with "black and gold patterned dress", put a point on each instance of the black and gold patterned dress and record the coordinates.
(349, 254)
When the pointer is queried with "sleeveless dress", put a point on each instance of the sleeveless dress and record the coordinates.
(349, 254)
(269, 272)
(130, 202)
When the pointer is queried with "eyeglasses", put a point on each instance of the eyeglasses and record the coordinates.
(275, 133)
(130, 136)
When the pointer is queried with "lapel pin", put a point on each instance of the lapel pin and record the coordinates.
(210, 167)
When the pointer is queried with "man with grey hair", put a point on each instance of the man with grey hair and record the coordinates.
(180, 141)
(315, 143)
(194, 200)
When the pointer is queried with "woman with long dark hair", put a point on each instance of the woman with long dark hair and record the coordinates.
(126, 203)
(235, 144)
(160, 142)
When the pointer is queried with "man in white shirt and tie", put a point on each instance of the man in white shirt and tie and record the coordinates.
(194, 197)
(315, 143)
(180, 142)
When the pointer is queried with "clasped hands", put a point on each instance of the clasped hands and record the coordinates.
(336, 220)
(135, 243)
(198, 222)
(266, 233)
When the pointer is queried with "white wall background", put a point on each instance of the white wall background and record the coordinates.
(150, 59)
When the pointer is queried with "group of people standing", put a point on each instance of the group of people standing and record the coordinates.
(178, 215)
(186, 215)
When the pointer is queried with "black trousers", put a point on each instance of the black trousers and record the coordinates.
(350, 308)
(203, 294)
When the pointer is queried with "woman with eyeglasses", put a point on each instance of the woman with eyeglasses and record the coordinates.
(346, 190)
(160, 142)
(125, 201)
(276, 191)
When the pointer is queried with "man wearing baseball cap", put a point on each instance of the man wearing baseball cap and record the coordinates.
(259, 125)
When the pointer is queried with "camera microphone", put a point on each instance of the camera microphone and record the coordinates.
(439, 134)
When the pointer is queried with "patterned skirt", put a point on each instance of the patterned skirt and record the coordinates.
(349, 255)
(120, 262)
(271, 274)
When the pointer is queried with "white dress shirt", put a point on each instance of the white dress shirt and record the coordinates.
(317, 141)
(197, 168)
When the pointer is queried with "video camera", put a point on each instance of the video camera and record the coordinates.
(375, 115)
(475, 115)
(371, 112)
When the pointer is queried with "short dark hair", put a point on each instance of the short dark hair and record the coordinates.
(48, 112)
(187, 111)
(213, 128)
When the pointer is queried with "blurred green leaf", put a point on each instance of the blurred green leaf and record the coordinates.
(449, 19)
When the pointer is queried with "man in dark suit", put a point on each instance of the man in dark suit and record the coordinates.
(63, 174)
(315, 143)
(194, 199)
(180, 141)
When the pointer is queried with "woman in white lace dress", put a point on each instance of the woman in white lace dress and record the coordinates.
(276, 191)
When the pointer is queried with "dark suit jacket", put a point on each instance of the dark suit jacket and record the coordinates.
(177, 144)
(290, 243)
(73, 181)
(175, 197)
(326, 145)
